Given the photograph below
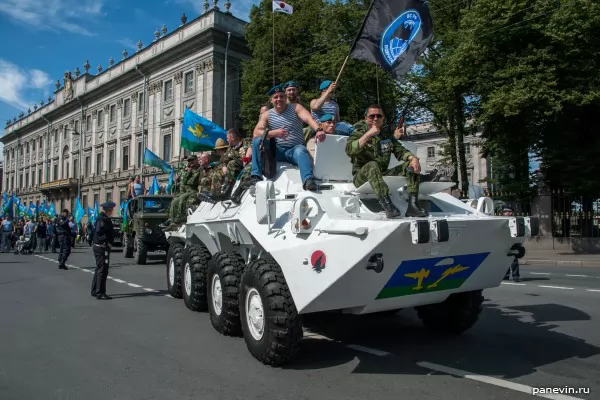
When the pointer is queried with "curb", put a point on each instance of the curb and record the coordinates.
(560, 263)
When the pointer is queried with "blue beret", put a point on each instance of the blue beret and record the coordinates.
(290, 84)
(108, 204)
(275, 89)
(327, 117)
(325, 85)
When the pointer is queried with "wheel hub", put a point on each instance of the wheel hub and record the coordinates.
(187, 279)
(217, 294)
(255, 315)
(171, 272)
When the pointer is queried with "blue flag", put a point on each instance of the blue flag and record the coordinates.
(155, 161)
(91, 215)
(95, 211)
(32, 209)
(198, 133)
(154, 189)
(79, 211)
(52, 211)
(169, 187)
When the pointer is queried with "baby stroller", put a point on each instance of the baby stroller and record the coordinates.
(25, 244)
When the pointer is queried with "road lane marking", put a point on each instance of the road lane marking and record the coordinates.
(539, 273)
(168, 295)
(593, 290)
(369, 350)
(514, 283)
(556, 287)
(119, 280)
(134, 285)
(579, 276)
(150, 290)
(492, 381)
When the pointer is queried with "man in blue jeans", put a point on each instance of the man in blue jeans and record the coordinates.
(284, 122)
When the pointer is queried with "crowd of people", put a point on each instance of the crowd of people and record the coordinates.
(286, 131)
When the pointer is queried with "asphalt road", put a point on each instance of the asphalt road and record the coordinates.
(58, 342)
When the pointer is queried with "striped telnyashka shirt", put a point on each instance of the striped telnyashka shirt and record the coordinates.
(289, 120)
(329, 107)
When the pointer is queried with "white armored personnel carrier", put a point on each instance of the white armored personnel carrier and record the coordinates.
(283, 252)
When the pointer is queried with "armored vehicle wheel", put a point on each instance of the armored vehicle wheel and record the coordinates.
(128, 246)
(224, 276)
(455, 315)
(174, 269)
(270, 322)
(141, 252)
(195, 264)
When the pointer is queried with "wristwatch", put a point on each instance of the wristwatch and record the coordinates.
(319, 129)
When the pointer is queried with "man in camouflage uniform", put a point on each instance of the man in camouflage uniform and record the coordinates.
(370, 150)
(189, 185)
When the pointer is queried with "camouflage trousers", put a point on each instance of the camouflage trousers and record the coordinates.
(234, 167)
(179, 206)
(370, 172)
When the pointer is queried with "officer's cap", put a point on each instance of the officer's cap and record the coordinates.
(327, 117)
(193, 157)
(220, 144)
(290, 84)
(325, 85)
(275, 89)
(507, 208)
(109, 205)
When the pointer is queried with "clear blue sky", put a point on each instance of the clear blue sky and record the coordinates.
(41, 39)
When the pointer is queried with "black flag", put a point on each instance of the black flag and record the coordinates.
(394, 34)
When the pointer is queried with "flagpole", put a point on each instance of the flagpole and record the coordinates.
(273, 23)
(355, 40)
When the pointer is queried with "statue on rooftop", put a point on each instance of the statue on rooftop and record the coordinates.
(68, 86)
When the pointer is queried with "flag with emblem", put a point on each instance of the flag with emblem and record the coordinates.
(79, 211)
(280, 6)
(198, 133)
(155, 161)
(394, 34)
(427, 275)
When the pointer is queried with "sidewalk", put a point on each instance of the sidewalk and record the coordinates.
(561, 258)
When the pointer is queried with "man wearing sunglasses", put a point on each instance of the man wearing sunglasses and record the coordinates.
(370, 150)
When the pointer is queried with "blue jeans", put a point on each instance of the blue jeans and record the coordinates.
(297, 155)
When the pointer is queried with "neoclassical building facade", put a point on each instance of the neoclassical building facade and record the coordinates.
(91, 134)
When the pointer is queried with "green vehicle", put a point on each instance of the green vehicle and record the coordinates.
(117, 228)
(142, 233)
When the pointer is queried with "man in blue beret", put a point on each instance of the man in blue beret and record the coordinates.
(292, 92)
(328, 125)
(102, 243)
(284, 124)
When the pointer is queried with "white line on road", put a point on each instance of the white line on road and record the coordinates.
(168, 295)
(134, 285)
(150, 290)
(119, 280)
(539, 273)
(369, 350)
(492, 381)
(555, 287)
(513, 283)
(593, 290)
(579, 276)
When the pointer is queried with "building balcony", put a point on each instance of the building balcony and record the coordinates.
(59, 185)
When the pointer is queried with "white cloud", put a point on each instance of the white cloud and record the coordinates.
(57, 15)
(239, 8)
(18, 84)
(128, 43)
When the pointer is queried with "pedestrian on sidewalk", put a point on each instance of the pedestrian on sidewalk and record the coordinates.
(41, 232)
(63, 231)
(102, 243)
(507, 211)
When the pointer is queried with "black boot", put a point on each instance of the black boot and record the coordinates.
(226, 190)
(390, 209)
(310, 184)
(413, 209)
(236, 197)
(206, 196)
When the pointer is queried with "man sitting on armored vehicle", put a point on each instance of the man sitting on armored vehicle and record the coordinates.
(284, 122)
(328, 125)
(189, 186)
(230, 164)
(370, 150)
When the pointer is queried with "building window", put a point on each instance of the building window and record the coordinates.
(168, 90)
(88, 123)
(33, 178)
(125, 166)
(88, 166)
(33, 145)
(467, 148)
(48, 173)
(430, 152)
(76, 127)
(111, 161)
(126, 108)
(108, 196)
(122, 196)
(84, 203)
(55, 172)
(65, 170)
(96, 196)
(100, 117)
(189, 82)
(167, 148)
(76, 168)
(141, 101)
(39, 181)
(65, 131)
(139, 154)
(26, 178)
(113, 113)
(98, 163)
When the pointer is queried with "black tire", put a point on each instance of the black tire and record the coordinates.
(141, 255)
(128, 247)
(195, 259)
(174, 269)
(228, 269)
(455, 315)
(282, 329)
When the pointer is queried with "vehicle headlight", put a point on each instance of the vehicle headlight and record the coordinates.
(148, 231)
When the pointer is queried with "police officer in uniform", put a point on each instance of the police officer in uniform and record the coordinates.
(63, 233)
(102, 243)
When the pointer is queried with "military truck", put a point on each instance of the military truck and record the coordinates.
(142, 233)
(117, 228)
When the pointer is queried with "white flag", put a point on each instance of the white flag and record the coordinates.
(280, 6)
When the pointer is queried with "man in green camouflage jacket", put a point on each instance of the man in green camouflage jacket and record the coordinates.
(370, 150)
(189, 185)
(230, 165)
